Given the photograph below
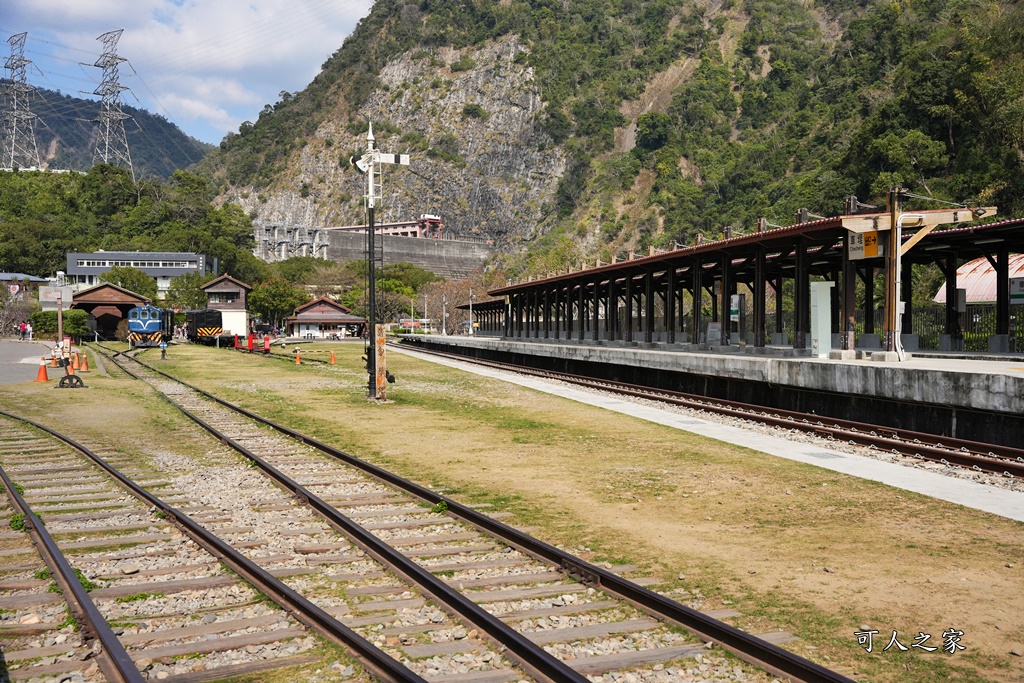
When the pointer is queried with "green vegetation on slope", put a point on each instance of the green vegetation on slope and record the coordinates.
(43, 216)
(789, 105)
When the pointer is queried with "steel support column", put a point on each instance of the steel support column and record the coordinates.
(547, 312)
(759, 298)
(628, 336)
(801, 297)
(696, 295)
(849, 302)
(1002, 268)
(670, 305)
(779, 322)
(569, 317)
(869, 298)
(948, 267)
(649, 306)
(581, 309)
(611, 310)
(907, 294)
(726, 289)
(595, 329)
(837, 298)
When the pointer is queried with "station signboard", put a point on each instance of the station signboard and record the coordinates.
(1017, 290)
(862, 245)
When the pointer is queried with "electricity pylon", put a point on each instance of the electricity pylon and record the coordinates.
(111, 141)
(20, 150)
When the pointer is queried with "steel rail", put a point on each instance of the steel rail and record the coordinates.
(1001, 460)
(383, 666)
(113, 660)
(530, 655)
(746, 646)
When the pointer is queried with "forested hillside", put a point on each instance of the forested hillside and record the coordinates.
(43, 216)
(65, 136)
(669, 118)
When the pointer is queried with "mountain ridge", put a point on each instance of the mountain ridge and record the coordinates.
(65, 136)
(653, 121)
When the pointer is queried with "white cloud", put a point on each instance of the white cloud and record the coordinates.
(214, 64)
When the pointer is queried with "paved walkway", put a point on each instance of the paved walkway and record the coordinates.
(967, 493)
(19, 361)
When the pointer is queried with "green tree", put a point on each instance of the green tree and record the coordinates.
(275, 299)
(185, 291)
(132, 279)
(298, 269)
(75, 321)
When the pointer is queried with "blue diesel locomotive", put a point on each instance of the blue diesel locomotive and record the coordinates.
(149, 325)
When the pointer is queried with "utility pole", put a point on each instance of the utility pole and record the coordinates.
(20, 149)
(112, 141)
(369, 164)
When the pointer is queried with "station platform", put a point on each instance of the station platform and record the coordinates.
(1002, 502)
(960, 396)
(953, 379)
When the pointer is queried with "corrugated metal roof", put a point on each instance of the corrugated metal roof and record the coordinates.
(978, 277)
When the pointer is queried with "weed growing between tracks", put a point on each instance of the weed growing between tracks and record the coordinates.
(746, 530)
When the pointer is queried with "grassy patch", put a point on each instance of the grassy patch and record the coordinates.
(137, 597)
(17, 521)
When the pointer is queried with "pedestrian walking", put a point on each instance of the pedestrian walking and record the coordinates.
(21, 330)
(28, 331)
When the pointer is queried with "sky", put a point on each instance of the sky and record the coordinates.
(205, 65)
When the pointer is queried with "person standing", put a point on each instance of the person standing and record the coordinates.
(28, 330)
(21, 331)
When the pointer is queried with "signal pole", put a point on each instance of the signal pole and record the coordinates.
(112, 142)
(20, 149)
(375, 356)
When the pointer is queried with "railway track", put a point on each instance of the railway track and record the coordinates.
(184, 605)
(980, 457)
(440, 581)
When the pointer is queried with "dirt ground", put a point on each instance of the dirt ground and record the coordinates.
(791, 546)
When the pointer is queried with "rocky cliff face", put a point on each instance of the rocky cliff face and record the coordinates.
(470, 121)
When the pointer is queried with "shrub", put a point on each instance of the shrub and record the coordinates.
(474, 111)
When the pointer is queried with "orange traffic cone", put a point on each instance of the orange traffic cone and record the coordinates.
(298, 357)
(41, 377)
(76, 365)
(53, 359)
(332, 356)
(85, 361)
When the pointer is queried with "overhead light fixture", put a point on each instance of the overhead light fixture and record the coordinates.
(937, 247)
(989, 241)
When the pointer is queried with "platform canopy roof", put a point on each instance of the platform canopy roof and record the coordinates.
(488, 305)
(824, 239)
